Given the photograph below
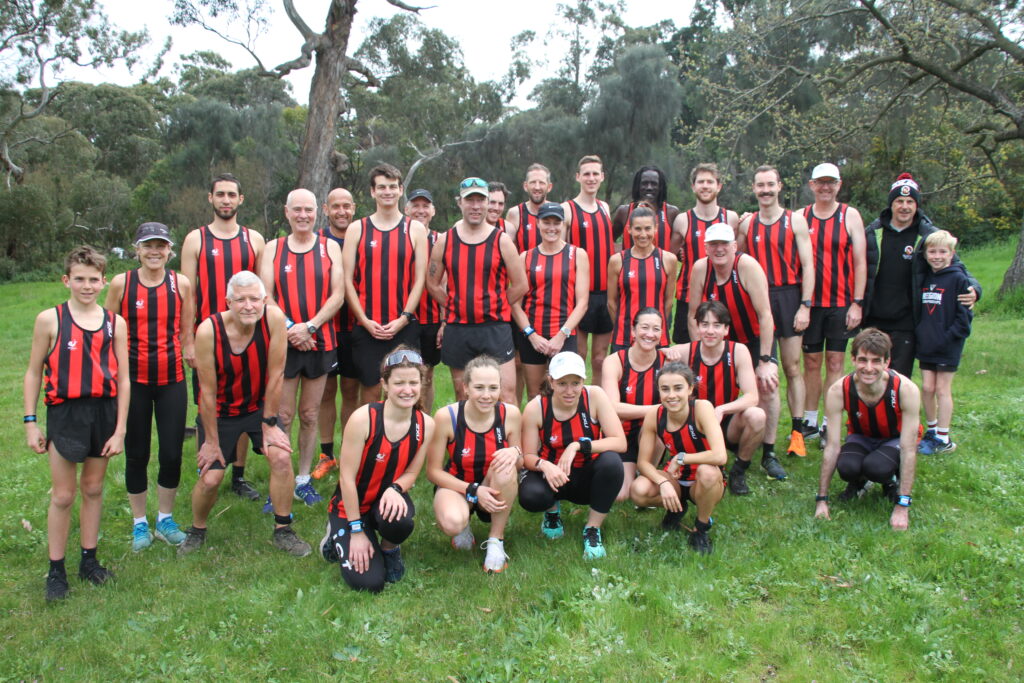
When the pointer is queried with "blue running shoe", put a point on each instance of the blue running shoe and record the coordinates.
(167, 531)
(593, 546)
(141, 538)
(929, 443)
(268, 507)
(551, 526)
(307, 494)
(944, 446)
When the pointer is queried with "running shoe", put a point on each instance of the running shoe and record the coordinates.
(738, 481)
(92, 571)
(495, 560)
(593, 546)
(268, 507)
(464, 539)
(700, 541)
(823, 434)
(773, 468)
(854, 489)
(287, 540)
(141, 537)
(194, 540)
(944, 446)
(307, 494)
(323, 466)
(796, 445)
(810, 432)
(551, 525)
(244, 489)
(167, 530)
(56, 585)
(394, 568)
(327, 549)
(673, 521)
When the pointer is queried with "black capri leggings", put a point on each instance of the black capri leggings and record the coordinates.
(871, 459)
(595, 484)
(170, 402)
(373, 579)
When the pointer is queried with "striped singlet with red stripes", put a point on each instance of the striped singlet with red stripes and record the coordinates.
(219, 259)
(556, 434)
(882, 420)
(833, 258)
(638, 388)
(383, 461)
(774, 247)
(385, 269)
(477, 280)
(342, 322)
(470, 453)
(642, 283)
(551, 293)
(241, 377)
(302, 282)
(662, 231)
(716, 383)
(153, 315)
(592, 232)
(693, 248)
(686, 439)
(745, 327)
(82, 363)
(429, 311)
(528, 234)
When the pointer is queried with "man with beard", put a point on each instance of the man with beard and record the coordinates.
(210, 256)
(650, 187)
(521, 221)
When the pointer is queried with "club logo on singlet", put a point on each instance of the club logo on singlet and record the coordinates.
(139, 303)
(538, 269)
(288, 268)
(699, 378)
(632, 273)
(380, 457)
(215, 252)
(72, 345)
(465, 451)
(757, 238)
(629, 389)
(373, 243)
(697, 232)
(553, 438)
(585, 224)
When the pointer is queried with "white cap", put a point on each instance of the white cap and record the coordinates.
(719, 232)
(825, 171)
(567, 363)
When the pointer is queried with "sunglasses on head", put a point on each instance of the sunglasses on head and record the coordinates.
(401, 356)
(472, 182)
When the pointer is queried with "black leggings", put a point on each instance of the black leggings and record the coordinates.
(170, 402)
(595, 484)
(859, 460)
(373, 579)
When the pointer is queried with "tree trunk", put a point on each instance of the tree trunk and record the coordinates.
(1014, 277)
(317, 159)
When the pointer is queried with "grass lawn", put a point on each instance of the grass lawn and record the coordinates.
(784, 596)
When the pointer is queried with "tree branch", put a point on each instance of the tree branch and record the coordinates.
(408, 8)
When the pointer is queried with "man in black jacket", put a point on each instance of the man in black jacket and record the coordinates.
(896, 268)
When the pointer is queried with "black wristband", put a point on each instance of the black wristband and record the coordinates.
(396, 487)
(29, 418)
(821, 499)
(586, 446)
(471, 492)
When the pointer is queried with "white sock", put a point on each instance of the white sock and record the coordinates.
(811, 418)
(302, 479)
(140, 520)
(161, 516)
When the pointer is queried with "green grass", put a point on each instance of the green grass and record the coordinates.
(784, 596)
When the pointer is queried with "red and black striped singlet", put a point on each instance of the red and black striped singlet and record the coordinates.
(686, 439)
(153, 315)
(219, 259)
(745, 327)
(477, 280)
(642, 283)
(342, 321)
(241, 377)
(662, 228)
(716, 383)
(551, 293)
(556, 434)
(693, 248)
(470, 454)
(882, 420)
(833, 258)
(302, 282)
(774, 247)
(592, 232)
(429, 311)
(638, 388)
(528, 234)
(385, 269)
(383, 461)
(82, 363)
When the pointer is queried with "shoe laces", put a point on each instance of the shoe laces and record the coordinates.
(552, 520)
(592, 536)
(494, 545)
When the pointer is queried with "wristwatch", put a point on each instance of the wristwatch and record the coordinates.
(566, 332)
(410, 316)
(312, 329)
(768, 359)
(859, 302)
(807, 303)
(270, 421)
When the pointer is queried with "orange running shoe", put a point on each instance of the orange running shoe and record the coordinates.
(796, 444)
(324, 466)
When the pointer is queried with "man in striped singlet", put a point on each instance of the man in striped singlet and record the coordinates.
(882, 408)
(302, 274)
(840, 277)
(650, 186)
(210, 255)
(778, 239)
(688, 237)
(420, 207)
(497, 197)
(240, 357)
(521, 220)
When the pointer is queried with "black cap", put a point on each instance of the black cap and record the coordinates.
(551, 209)
(425, 194)
(153, 231)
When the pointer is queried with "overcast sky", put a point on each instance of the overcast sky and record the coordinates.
(484, 33)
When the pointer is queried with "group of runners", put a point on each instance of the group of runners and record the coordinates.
(275, 331)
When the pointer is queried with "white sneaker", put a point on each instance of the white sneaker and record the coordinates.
(496, 560)
(464, 539)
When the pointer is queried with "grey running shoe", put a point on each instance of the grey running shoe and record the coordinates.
(738, 481)
(194, 540)
(773, 468)
(287, 540)
(244, 489)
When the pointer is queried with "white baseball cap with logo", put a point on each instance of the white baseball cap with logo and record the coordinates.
(567, 363)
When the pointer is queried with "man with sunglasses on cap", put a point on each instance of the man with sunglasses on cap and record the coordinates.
(484, 278)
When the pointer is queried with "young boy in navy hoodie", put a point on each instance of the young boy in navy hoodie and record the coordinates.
(943, 328)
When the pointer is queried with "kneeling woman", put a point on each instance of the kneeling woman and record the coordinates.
(480, 437)
(696, 471)
(382, 453)
(568, 456)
